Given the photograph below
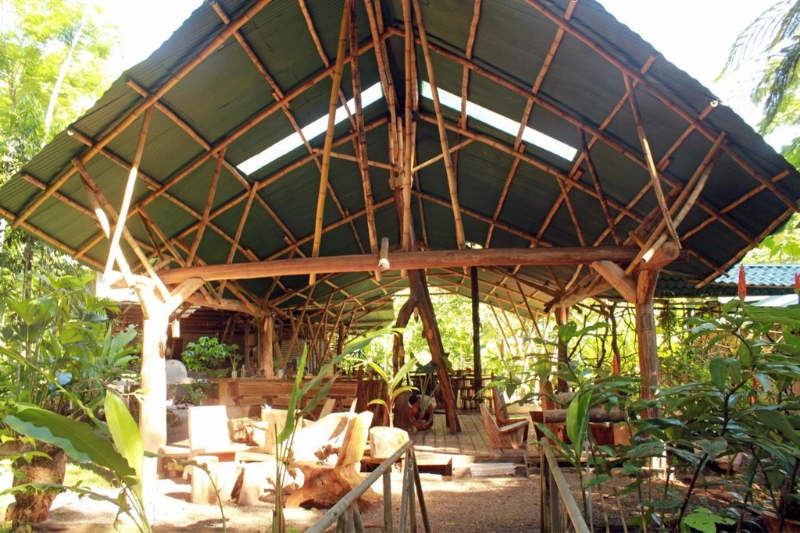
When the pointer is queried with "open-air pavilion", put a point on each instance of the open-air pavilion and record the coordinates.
(272, 156)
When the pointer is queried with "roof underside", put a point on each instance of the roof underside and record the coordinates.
(560, 71)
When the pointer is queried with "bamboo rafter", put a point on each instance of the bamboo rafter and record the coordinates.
(576, 171)
(114, 252)
(685, 115)
(182, 72)
(578, 122)
(473, 31)
(361, 137)
(518, 146)
(448, 163)
(627, 210)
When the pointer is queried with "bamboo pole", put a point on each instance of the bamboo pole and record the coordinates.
(361, 138)
(207, 210)
(408, 57)
(102, 206)
(648, 157)
(598, 186)
(128, 195)
(385, 73)
(326, 154)
(448, 164)
(473, 30)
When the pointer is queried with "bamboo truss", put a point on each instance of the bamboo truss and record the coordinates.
(664, 224)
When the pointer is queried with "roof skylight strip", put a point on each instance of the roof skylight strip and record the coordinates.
(311, 131)
(504, 124)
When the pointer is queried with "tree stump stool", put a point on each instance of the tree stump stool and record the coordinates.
(202, 487)
(254, 477)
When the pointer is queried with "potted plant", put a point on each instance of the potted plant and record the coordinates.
(385, 440)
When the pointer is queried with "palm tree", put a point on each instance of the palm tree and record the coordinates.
(773, 34)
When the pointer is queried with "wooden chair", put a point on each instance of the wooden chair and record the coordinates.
(501, 412)
(510, 436)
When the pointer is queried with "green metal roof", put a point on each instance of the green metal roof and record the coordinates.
(582, 88)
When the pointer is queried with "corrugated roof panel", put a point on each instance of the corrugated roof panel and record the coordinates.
(280, 38)
(114, 104)
(193, 190)
(582, 81)
(171, 220)
(531, 195)
(440, 226)
(49, 164)
(520, 50)
(72, 230)
(262, 234)
(215, 107)
(485, 169)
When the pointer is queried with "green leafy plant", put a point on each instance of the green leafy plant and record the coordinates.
(208, 354)
(121, 461)
(395, 384)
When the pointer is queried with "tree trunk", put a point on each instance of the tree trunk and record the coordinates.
(34, 506)
(434, 337)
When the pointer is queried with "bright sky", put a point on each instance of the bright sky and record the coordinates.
(695, 35)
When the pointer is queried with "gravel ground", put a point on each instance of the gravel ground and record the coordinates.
(502, 504)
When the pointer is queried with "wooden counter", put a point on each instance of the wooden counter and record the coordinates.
(275, 392)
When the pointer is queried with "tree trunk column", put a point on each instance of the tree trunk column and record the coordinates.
(562, 350)
(153, 405)
(434, 337)
(476, 329)
(266, 333)
(646, 332)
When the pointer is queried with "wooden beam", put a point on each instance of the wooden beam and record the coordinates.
(476, 327)
(406, 223)
(407, 260)
(646, 332)
(448, 163)
(616, 276)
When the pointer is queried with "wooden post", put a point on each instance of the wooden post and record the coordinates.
(266, 332)
(476, 329)
(646, 332)
(562, 314)
(340, 338)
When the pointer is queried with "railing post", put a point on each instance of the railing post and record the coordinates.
(420, 496)
(404, 500)
(412, 502)
(388, 525)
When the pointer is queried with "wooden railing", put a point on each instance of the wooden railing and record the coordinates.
(559, 510)
(347, 516)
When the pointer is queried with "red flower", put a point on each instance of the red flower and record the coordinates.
(742, 283)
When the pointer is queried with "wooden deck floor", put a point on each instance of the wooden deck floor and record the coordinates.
(471, 445)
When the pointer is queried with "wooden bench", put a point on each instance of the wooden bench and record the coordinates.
(510, 436)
